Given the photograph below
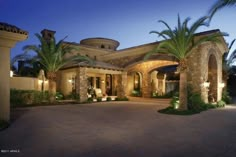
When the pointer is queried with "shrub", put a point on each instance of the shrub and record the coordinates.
(196, 103)
(136, 93)
(59, 96)
(90, 99)
(24, 97)
(73, 96)
(220, 103)
(122, 99)
(225, 96)
(167, 95)
(99, 99)
(175, 102)
(108, 98)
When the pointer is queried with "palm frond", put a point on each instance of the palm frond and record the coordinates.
(220, 4)
(181, 40)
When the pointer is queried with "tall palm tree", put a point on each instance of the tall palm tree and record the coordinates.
(228, 61)
(52, 56)
(180, 42)
(219, 4)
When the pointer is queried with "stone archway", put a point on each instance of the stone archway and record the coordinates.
(145, 70)
(212, 78)
(134, 83)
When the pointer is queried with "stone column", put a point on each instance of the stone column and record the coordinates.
(81, 84)
(5, 83)
(146, 85)
(122, 85)
(9, 36)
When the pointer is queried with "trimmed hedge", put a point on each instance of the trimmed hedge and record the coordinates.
(26, 97)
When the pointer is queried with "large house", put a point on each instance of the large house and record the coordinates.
(124, 72)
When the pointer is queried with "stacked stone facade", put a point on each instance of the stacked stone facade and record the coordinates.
(123, 63)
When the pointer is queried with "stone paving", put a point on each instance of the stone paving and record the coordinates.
(119, 129)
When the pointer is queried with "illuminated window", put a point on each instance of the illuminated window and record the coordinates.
(136, 81)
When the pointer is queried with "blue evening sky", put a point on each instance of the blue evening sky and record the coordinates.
(128, 21)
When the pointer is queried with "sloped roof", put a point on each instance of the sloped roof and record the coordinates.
(11, 28)
(96, 64)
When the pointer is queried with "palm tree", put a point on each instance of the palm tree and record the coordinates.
(52, 56)
(180, 42)
(26, 66)
(221, 4)
(228, 61)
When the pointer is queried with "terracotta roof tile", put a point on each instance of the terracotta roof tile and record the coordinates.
(11, 28)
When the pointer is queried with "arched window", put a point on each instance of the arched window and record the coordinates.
(137, 81)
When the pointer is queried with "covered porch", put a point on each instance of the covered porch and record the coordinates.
(100, 80)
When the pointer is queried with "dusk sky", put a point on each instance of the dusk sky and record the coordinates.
(128, 21)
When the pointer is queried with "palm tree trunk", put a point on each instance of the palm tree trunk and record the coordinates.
(52, 85)
(183, 101)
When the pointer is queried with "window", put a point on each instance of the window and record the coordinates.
(136, 81)
(98, 82)
(90, 82)
(102, 46)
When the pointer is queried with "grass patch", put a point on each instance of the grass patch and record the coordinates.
(173, 111)
(46, 104)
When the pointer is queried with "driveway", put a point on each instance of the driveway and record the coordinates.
(119, 129)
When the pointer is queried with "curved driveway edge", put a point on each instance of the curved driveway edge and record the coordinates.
(119, 129)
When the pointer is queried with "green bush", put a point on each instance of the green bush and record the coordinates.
(25, 97)
(220, 103)
(90, 99)
(136, 93)
(174, 102)
(108, 98)
(122, 99)
(73, 96)
(196, 103)
(99, 99)
(167, 95)
(59, 96)
(225, 96)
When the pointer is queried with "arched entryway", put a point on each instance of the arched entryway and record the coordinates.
(143, 78)
(135, 83)
(212, 78)
(164, 80)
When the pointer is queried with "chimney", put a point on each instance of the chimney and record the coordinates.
(47, 34)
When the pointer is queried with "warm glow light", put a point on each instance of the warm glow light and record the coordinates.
(222, 85)
(11, 73)
(40, 81)
(205, 84)
(70, 80)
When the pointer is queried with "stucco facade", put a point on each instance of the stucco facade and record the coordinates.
(9, 36)
(120, 72)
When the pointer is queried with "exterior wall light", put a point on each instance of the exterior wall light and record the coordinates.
(222, 85)
(206, 84)
(70, 80)
(11, 73)
(40, 81)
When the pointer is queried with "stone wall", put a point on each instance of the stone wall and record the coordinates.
(198, 63)
(81, 83)
(145, 70)
(122, 85)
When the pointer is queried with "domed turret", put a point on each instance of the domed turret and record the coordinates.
(103, 43)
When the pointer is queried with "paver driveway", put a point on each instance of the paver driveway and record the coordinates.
(119, 129)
